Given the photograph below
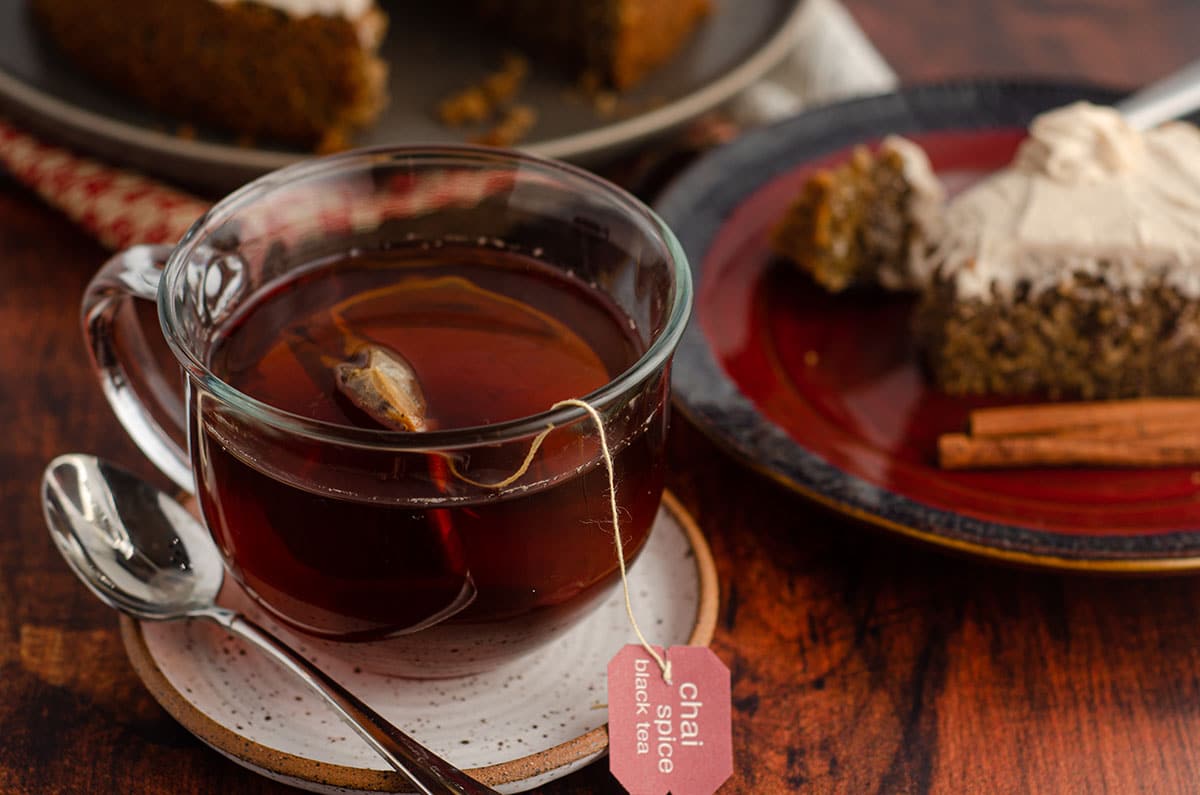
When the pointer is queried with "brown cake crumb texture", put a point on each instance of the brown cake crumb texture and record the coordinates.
(849, 222)
(490, 101)
(304, 80)
(479, 103)
(619, 42)
(1083, 340)
(513, 126)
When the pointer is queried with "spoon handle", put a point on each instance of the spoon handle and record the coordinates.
(1175, 95)
(428, 773)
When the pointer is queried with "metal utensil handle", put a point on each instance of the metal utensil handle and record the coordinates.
(1164, 100)
(429, 774)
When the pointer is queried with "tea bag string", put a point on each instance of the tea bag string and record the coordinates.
(514, 477)
(664, 664)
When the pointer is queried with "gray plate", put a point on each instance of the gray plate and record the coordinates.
(431, 56)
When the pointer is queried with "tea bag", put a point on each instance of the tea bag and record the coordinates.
(382, 383)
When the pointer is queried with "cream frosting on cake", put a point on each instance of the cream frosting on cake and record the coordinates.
(365, 16)
(1087, 194)
(924, 209)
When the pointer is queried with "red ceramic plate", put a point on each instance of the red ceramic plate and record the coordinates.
(824, 393)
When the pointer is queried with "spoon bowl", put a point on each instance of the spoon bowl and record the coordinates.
(136, 548)
(141, 552)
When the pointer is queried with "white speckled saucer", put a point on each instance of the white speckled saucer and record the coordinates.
(515, 728)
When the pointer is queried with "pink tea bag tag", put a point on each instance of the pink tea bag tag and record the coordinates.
(673, 737)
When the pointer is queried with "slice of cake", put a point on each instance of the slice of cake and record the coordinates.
(308, 72)
(303, 71)
(1076, 271)
(865, 222)
(614, 43)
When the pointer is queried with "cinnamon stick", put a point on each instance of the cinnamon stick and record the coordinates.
(1151, 415)
(960, 451)
(1138, 429)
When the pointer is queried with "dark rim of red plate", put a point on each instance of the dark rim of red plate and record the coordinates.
(696, 205)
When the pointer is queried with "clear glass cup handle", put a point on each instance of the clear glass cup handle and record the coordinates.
(125, 365)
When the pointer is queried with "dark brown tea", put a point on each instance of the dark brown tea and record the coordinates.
(364, 542)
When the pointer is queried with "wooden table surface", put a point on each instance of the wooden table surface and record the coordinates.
(860, 663)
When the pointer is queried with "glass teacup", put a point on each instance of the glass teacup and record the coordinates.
(433, 553)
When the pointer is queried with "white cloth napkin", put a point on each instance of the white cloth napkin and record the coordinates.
(833, 59)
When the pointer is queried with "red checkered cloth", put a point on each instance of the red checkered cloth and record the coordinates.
(121, 208)
(118, 208)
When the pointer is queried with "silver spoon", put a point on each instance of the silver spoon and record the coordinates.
(141, 552)
(1175, 95)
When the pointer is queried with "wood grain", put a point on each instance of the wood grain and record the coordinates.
(1122, 43)
(860, 663)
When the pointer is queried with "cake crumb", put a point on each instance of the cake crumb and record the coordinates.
(502, 86)
(514, 126)
(479, 103)
(605, 103)
(469, 106)
(594, 92)
(589, 83)
(333, 141)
